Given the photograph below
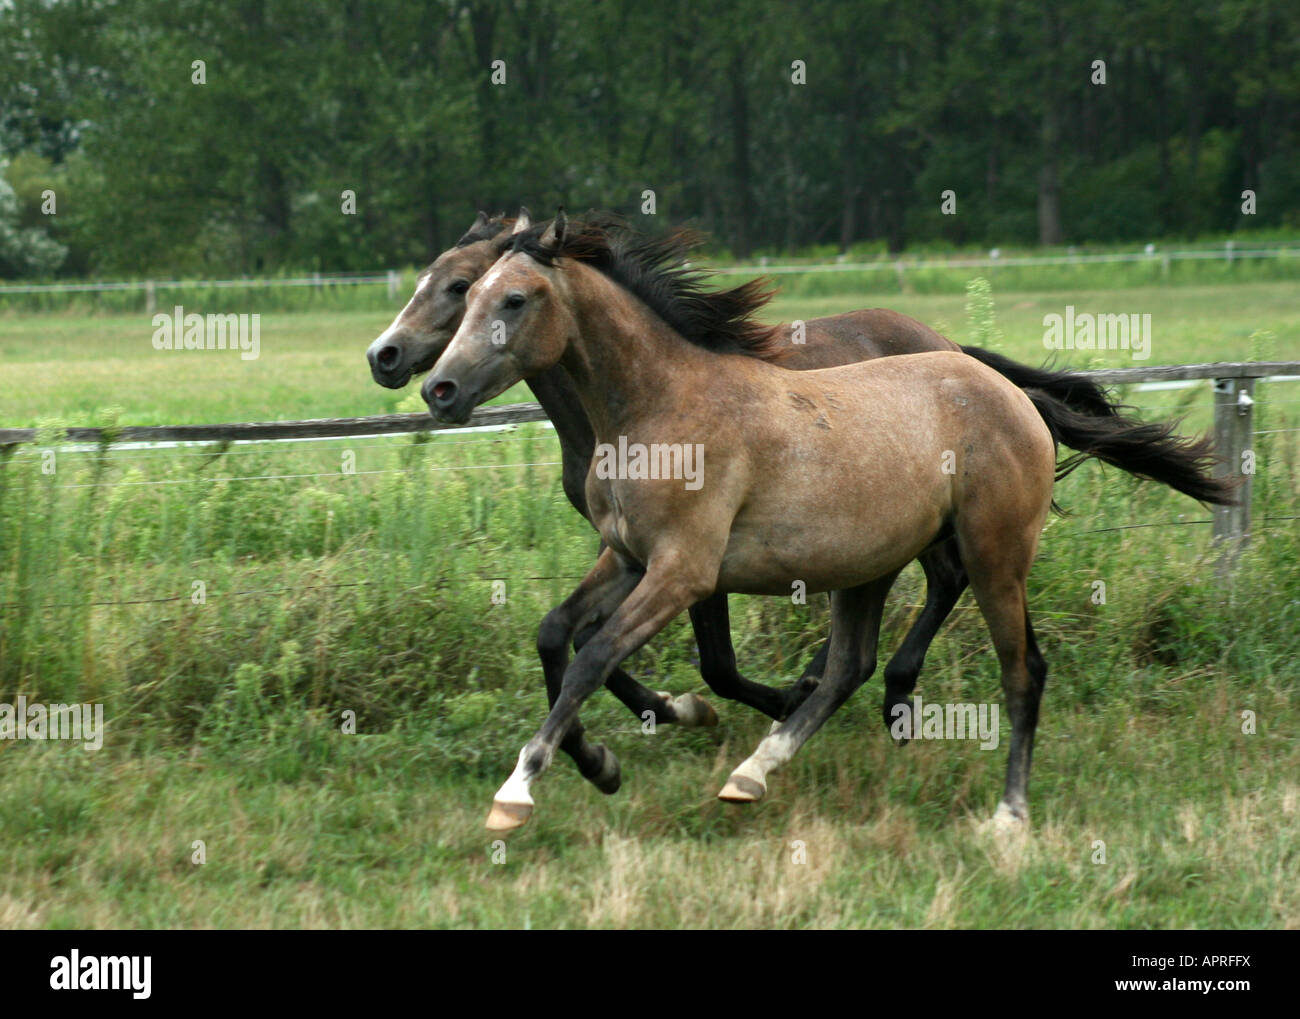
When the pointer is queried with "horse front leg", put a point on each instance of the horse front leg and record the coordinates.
(712, 623)
(687, 710)
(667, 587)
(599, 593)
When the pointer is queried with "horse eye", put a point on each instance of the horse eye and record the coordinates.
(459, 287)
(514, 301)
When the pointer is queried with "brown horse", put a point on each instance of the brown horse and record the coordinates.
(425, 325)
(422, 330)
(420, 333)
(834, 478)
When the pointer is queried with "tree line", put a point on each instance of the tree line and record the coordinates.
(261, 135)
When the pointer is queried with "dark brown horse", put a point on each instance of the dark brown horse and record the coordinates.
(422, 330)
(833, 478)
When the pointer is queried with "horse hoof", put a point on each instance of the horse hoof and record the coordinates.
(1008, 819)
(610, 776)
(891, 715)
(508, 816)
(693, 711)
(742, 789)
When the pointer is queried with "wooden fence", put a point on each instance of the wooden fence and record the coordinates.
(1234, 401)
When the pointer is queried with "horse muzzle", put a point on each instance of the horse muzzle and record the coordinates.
(388, 364)
(448, 400)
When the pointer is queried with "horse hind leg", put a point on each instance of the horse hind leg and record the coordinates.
(855, 631)
(945, 580)
(998, 581)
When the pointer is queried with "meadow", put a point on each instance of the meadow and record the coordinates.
(229, 605)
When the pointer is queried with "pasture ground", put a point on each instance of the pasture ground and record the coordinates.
(326, 592)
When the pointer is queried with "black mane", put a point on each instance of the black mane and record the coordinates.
(485, 231)
(655, 270)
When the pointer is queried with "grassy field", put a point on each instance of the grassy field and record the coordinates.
(312, 363)
(324, 592)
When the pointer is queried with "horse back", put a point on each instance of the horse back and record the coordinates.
(861, 336)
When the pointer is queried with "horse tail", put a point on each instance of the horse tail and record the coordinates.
(1147, 450)
(1074, 390)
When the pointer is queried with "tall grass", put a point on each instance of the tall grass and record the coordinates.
(194, 604)
(229, 625)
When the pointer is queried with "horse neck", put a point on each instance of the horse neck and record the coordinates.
(623, 360)
(558, 396)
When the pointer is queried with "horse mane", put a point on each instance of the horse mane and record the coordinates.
(655, 270)
(486, 231)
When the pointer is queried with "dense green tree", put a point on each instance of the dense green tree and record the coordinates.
(361, 134)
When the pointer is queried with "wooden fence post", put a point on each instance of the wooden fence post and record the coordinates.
(1234, 405)
(393, 281)
(150, 298)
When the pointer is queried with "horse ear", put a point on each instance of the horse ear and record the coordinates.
(555, 233)
(524, 221)
(480, 220)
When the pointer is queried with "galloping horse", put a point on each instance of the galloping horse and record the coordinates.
(422, 330)
(835, 477)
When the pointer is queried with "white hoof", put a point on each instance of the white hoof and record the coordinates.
(747, 784)
(1005, 819)
(513, 804)
(508, 816)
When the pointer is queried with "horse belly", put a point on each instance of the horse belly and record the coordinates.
(840, 540)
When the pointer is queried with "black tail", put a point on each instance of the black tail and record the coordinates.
(1146, 450)
(1081, 415)
(1072, 389)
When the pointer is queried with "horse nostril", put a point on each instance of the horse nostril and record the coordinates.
(444, 391)
(389, 357)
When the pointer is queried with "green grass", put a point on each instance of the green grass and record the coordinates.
(372, 592)
(324, 830)
(312, 364)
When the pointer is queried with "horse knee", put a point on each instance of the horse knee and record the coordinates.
(552, 633)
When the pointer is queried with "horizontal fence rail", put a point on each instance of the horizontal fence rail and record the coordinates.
(518, 413)
(274, 431)
(1233, 389)
(1228, 252)
(994, 260)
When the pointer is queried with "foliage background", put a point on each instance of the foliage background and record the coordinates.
(692, 99)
